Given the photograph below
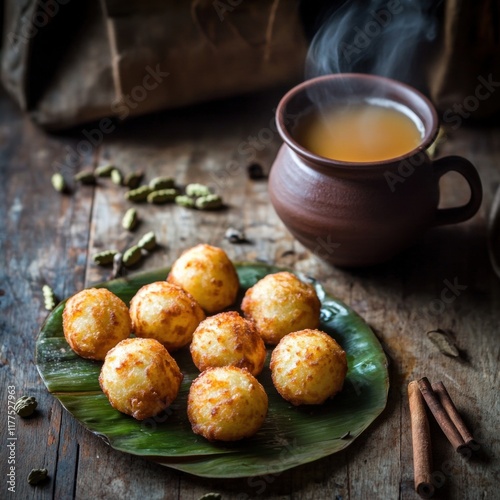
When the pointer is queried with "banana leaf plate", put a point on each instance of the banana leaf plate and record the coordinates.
(290, 435)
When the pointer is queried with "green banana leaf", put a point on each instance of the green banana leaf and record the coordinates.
(290, 435)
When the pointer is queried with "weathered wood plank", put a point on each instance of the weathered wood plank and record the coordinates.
(50, 239)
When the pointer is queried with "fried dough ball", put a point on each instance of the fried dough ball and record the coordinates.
(279, 304)
(228, 339)
(94, 321)
(308, 367)
(140, 378)
(165, 312)
(226, 403)
(208, 275)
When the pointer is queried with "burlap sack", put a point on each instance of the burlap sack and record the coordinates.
(67, 62)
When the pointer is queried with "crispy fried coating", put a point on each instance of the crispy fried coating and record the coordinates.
(208, 275)
(140, 378)
(308, 367)
(94, 321)
(281, 303)
(226, 404)
(228, 339)
(165, 312)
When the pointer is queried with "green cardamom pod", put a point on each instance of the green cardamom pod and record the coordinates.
(133, 179)
(105, 257)
(196, 190)
(148, 241)
(117, 177)
(37, 476)
(161, 183)
(130, 219)
(132, 256)
(48, 297)
(139, 194)
(209, 202)
(162, 196)
(25, 406)
(85, 177)
(184, 201)
(104, 170)
(59, 183)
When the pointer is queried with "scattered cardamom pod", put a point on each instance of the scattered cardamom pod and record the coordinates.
(117, 177)
(185, 201)
(131, 256)
(104, 258)
(25, 406)
(211, 496)
(443, 342)
(86, 177)
(104, 170)
(138, 194)
(148, 241)
(162, 196)
(130, 219)
(59, 183)
(161, 183)
(208, 202)
(36, 476)
(235, 235)
(49, 297)
(196, 190)
(133, 179)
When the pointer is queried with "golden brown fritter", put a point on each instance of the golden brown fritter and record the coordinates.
(208, 275)
(226, 404)
(228, 339)
(165, 312)
(94, 321)
(140, 378)
(308, 367)
(280, 303)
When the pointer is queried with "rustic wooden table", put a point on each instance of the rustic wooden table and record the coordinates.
(47, 238)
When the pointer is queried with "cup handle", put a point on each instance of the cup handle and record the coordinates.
(469, 172)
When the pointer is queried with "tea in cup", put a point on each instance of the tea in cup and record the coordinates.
(353, 181)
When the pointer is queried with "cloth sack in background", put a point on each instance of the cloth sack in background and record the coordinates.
(68, 62)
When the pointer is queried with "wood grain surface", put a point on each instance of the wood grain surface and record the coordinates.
(49, 238)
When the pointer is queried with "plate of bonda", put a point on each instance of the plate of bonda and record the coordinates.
(290, 436)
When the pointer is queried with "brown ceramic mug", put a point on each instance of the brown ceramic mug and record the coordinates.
(362, 213)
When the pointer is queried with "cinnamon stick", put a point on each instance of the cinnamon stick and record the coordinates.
(441, 416)
(452, 412)
(421, 439)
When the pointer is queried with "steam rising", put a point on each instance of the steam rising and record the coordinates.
(386, 38)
